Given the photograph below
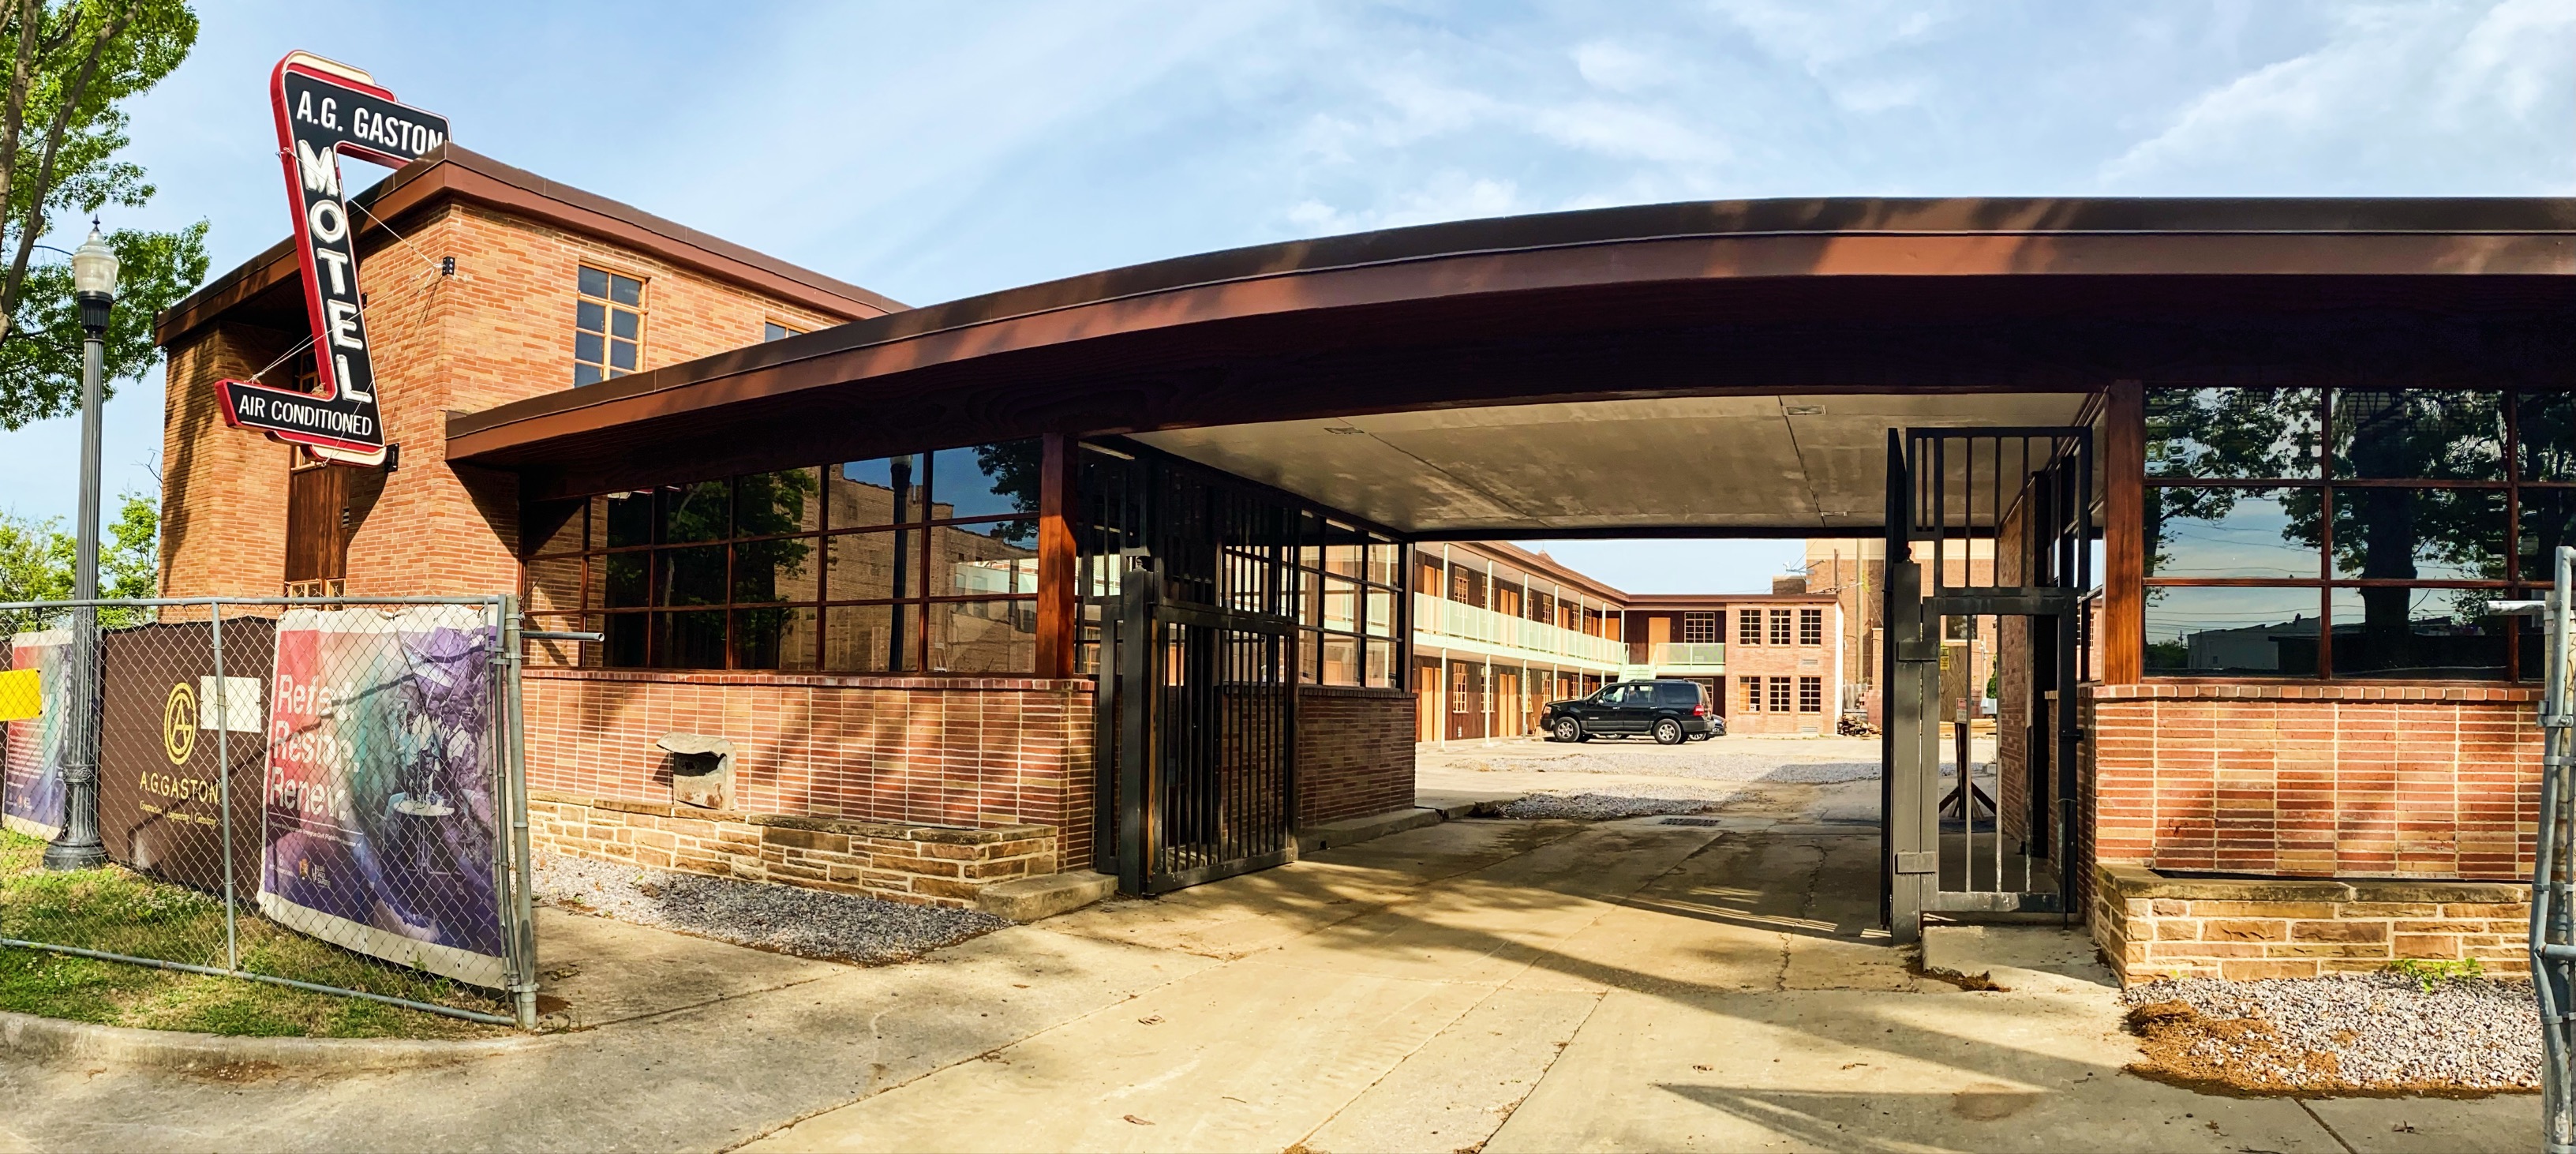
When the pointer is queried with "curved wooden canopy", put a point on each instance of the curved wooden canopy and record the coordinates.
(1701, 299)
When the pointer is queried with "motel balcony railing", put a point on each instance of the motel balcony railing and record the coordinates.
(1438, 617)
(1688, 655)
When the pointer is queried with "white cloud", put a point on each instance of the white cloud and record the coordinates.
(1617, 67)
(1630, 132)
(1446, 196)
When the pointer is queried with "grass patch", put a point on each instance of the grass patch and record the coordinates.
(2428, 973)
(116, 910)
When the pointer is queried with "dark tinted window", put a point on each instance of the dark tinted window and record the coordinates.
(1677, 693)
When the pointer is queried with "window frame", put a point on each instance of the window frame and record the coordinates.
(2330, 476)
(1811, 626)
(642, 309)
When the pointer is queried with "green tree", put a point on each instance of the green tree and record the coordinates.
(73, 64)
(37, 558)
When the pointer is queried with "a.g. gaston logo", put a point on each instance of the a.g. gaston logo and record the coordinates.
(179, 724)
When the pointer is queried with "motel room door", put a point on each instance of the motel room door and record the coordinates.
(1953, 842)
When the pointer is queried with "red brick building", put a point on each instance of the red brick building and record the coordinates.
(1114, 570)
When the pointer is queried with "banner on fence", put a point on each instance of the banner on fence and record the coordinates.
(31, 755)
(382, 834)
(160, 801)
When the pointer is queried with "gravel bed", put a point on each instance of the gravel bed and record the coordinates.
(1593, 806)
(787, 919)
(2348, 1031)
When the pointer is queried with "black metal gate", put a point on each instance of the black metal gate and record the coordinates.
(1955, 844)
(1187, 583)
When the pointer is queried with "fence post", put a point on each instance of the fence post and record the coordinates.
(224, 791)
(522, 898)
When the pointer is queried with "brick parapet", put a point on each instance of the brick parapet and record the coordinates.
(1354, 752)
(2152, 925)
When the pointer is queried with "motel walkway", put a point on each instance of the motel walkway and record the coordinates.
(1494, 985)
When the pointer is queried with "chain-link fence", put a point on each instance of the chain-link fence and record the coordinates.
(324, 793)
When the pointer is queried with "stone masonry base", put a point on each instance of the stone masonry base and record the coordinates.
(919, 865)
(2153, 925)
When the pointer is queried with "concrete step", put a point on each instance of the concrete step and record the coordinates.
(1029, 899)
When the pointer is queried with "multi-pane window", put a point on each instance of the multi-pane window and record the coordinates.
(1542, 607)
(922, 562)
(1752, 695)
(774, 331)
(1811, 627)
(1348, 605)
(1811, 695)
(1780, 687)
(1748, 627)
(608, 326)
(2351, 533)
(1700, 628)
(1780, 619)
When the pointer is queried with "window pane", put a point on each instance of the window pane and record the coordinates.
(624, 580)
(625, 642)
(770, 503)
(780, 638)
(589, 347)
(622, 323)
(773, 331)
(590, 317)
(1385, 562)
(613, 374)
(1341, 604)
(2548, 521)
(779, 569)
(630, 519)
(621, 355)
(625, 290)
(873, 566)
(689, 576)
(864, 638)
(1381, 663)
(594, 283)
(689, 640)
(1381, 613)
(2429, 534)
(585, 375)
(698, 512)
(983, 636)
(2231, 632)
(2232, 433)
(883, 491)
(985, 480)
(2548, 431)
(1345, 560)
(1341, 661)
(2441, 634)
(2232, 532)
(973, 564)
(2419, 434)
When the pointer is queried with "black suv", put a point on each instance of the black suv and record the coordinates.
(1672, 711)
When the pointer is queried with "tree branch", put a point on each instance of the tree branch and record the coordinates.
(30, 28)
(35, 222)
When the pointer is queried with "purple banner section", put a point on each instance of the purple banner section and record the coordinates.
(31, 754)
(381, 825)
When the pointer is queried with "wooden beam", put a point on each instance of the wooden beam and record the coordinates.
(2124, 561)
(1058, 605)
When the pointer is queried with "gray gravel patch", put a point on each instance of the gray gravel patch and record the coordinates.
(2383, 1031)
(787, 919)
(1593, 806)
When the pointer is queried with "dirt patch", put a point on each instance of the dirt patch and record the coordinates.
(2248, 1058)
(1979, 983)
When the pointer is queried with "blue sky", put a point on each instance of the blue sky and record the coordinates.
(935, 151)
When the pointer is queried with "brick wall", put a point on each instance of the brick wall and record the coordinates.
(1354, 752)
(2316, 781)
(919, 865)
(2153, 926)
(223, 490)
(957, 752)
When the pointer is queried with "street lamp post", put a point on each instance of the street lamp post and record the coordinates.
(77, 846)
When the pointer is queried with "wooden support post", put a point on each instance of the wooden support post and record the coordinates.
(2124, 517)
(1058, 600)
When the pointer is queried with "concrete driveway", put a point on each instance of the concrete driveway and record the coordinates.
(1490, 985)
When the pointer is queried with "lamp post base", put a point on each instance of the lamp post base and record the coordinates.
(67, 856)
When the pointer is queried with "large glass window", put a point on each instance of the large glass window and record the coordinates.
(1347, 603)
(922, 562)
(2349, 533)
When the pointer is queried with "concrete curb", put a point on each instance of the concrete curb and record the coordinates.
(1027, 900)
(1350, 831)
(53, 1040)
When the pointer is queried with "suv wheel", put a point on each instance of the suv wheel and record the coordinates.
(1568, 729)
(1669, 732)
